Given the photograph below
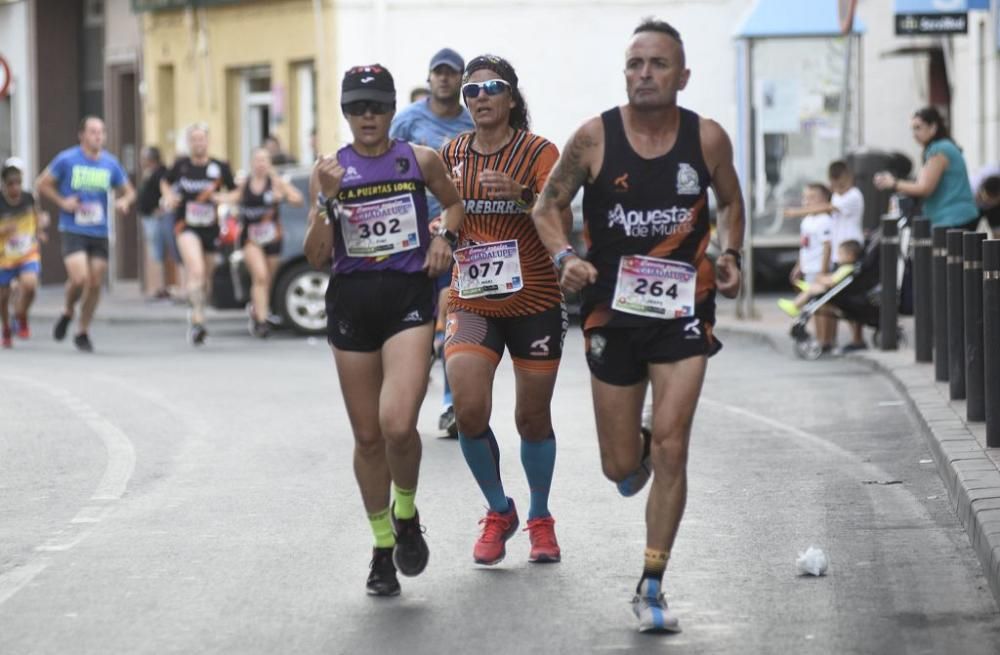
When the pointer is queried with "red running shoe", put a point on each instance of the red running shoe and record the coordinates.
(23, 331)
(542, 533)
(497, 529)
(6, 341)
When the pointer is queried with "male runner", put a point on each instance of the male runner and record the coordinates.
(192, 189)
(78, 180)
(434, 121)
(21, 228)
(648, 289)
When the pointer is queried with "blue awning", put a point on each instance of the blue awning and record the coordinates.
(770, 18)
(939, 6)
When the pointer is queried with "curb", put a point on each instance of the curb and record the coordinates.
(968, 473)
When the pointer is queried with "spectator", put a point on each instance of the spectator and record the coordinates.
(816, 233)
(986, 187)
(848, 255)
(943, 180)
(278, 157)
(157, 227)
(419, 93)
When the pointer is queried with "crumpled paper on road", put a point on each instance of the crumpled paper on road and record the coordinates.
(812, 562)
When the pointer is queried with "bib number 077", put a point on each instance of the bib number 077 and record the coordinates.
(483, 269)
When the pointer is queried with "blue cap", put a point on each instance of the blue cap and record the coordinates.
(449, 58)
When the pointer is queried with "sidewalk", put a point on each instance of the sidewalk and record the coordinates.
(124, 303)
(970, 470)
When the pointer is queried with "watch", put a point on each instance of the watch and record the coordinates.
(450, 237)
(737, 255)
(526, 198)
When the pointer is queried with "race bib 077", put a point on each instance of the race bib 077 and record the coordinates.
(656, 288)
(489, 269)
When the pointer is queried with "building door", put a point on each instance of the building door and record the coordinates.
(256, 104)
(124, 132)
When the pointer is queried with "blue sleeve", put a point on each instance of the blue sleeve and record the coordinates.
(400, 127)
(940, 148)
(59, 167)
(118, 175)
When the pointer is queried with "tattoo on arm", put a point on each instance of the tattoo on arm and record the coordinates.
(569, 174)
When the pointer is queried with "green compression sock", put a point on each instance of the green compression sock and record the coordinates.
(382, 529)
(404, 507)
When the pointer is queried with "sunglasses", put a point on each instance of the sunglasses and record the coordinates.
(491, 87)
(362, 107)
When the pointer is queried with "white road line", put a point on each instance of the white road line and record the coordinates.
(117, 473)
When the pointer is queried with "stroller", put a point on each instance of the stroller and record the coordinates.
(855, 298)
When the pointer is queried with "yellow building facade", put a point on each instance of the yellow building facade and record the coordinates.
(245, 69)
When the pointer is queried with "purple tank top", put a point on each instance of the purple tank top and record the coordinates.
(383, 225)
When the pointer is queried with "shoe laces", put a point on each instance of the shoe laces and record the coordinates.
(494, 525)
(409, 529)
(542, 532)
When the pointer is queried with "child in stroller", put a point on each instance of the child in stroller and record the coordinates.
(851, 291)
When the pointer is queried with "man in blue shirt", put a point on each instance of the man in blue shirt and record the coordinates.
(434, 121)
(79, 181)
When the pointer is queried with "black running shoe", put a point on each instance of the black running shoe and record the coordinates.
(197, 334)
(410, 553)
(59, 332)
(382, 579)
(260, 330)
(448, 423)
(82, 342)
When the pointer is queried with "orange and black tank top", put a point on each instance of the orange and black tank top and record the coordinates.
(653, 207)
(527, 159)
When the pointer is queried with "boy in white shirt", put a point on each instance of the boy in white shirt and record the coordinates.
(816, 235)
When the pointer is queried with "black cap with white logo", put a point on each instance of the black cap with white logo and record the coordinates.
(368, 83)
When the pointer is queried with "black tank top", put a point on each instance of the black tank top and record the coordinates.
(255, 207)
(654, 207)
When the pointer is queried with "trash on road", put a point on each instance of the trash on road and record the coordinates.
(812, 562)
(883, 482)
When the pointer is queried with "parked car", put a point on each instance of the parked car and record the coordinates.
(298, 295)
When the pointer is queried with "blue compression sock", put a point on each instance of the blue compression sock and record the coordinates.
(539, 460)
(483, 456)
(448, 402)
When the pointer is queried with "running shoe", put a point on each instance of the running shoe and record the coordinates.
(6, 341)
(854, 347)
(788, 306)
(650, 607)
(410, 553)
(382, 580)
(21, 327)
(542, 533)
(82, 343)
(634, 483)
(275, 320)
(59, 331)
(491, 547)
(259, 330)
(448, 423)
(197, 334)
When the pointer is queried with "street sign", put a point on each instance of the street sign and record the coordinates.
(4, 77)
(909, 24)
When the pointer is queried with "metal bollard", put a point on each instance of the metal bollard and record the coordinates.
(939, 279)
(888, 255)
(972, 284)
(956, 317)
(991, 340)
(923, 310)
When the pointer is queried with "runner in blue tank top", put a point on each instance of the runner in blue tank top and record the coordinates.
(371, 216)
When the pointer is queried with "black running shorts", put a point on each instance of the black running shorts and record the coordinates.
(365, 308)
(96, 247)
(622, 355)
(535, 341)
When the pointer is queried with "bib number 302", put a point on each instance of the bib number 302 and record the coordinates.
(656, 288)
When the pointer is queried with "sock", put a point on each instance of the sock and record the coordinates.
(382, 529)
(483, 456)
(539, 460)
(655, 563)
(447, 401)
(404, 508)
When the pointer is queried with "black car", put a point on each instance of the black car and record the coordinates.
(298, 293)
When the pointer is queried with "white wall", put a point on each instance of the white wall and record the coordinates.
(569, 54)
(14, 46)
(122, 33)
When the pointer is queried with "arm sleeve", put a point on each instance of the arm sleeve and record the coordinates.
(118, 175)
(173, 173)
(58, 167)
(227, 177)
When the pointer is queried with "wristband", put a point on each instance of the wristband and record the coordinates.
(560, 257)
(737, 255)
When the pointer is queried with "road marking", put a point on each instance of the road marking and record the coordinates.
(117, 473)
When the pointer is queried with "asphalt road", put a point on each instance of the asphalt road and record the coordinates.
(158, 499)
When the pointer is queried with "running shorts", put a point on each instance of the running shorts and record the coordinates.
(535, 341)
(96, 247)
(8, 275)
(364, 309)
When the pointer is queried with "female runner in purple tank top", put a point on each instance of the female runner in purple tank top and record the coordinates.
(371, 216)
